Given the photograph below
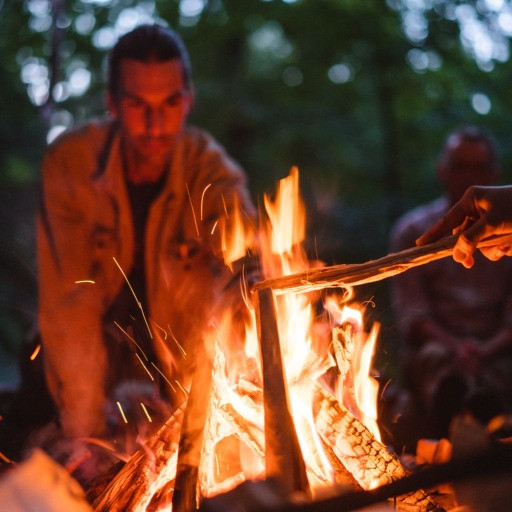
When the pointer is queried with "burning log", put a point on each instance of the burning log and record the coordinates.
(283, 457)
(370, 271)
(494, 462)
(342, 476)
(222, 467)
(264, 497)
(148, 471)
(370, 463)
(243, 430)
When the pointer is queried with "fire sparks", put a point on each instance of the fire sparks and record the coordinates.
(328, 393)
(120, 407)
(202, 198)
(139, 303)
(5, 459)
(146, 413)
(305, 357)
(144, 366)
(35, 353)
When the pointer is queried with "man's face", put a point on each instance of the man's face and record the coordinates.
(151, 107)
(467, 163)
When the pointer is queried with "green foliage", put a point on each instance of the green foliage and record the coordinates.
(329, 85)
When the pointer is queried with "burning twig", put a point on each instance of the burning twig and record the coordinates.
(148, 470)
(370, 271)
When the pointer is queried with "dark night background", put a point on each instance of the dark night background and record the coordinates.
(358, 94)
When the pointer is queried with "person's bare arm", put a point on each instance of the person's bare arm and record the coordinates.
(480, 213)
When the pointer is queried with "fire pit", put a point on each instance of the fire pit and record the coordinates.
(305, 417)
(285, 408)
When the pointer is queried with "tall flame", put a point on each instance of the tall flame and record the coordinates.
(305, 350)
(327, 359)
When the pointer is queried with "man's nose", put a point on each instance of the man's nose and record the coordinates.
(154, 121)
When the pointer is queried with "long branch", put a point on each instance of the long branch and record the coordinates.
(370, 271)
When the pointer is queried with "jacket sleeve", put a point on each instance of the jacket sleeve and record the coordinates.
(220, 189)
(70, 306)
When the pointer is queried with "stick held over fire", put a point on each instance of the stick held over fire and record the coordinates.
(370, 271)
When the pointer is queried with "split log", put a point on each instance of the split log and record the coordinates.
(224, 433)
(368, 460)
(40, 483)
(244, 431)
(150, 469)
(370, 271)
(342, 476)
(283, 457)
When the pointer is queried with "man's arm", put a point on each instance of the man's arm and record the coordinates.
(221, 190)
(69, 311)
(480, 213)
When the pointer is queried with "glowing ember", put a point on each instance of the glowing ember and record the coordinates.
(36, 352)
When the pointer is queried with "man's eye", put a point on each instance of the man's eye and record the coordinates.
(174, 101)
(133, 103)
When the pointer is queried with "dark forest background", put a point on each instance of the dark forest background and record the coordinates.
(359, 94)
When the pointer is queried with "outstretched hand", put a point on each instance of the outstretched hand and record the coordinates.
(480, 213)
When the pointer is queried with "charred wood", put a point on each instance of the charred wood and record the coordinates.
(361, 453)
(186, 494)
(152, 467)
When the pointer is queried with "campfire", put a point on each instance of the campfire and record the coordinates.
(290, 396)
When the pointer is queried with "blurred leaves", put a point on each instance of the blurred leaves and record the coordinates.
(359, 94)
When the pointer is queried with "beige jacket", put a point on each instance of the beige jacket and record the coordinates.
(85, 222)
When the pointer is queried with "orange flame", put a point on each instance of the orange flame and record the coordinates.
(235, 419)
(236, 239)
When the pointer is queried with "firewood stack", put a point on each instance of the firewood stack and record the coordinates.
(176, 465)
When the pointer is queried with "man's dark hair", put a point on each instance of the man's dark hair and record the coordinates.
(147, 43)
(469, 134)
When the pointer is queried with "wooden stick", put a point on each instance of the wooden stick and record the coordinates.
(482, 468)
(283, 457)
(370, 271)
(185, 496)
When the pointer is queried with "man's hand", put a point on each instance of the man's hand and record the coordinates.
(480, 213)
